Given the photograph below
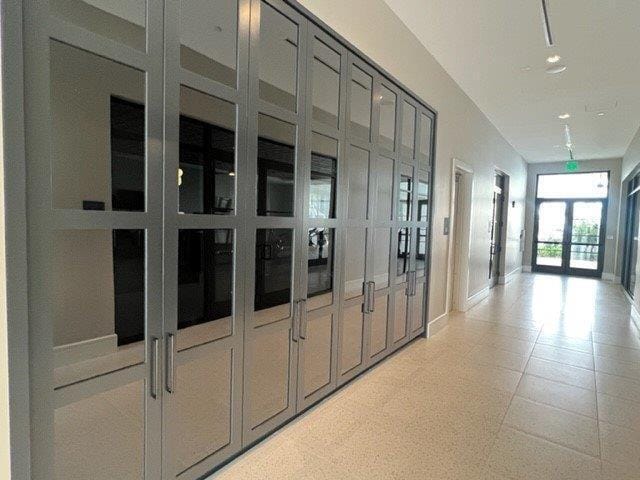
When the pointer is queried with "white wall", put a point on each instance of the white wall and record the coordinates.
(631, 158)
(613, 210)
(463, 132)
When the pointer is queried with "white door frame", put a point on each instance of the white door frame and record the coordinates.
(460, 284)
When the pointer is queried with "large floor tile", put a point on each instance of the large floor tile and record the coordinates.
(618, 353)
(564, 355)
(616, 386)
(522, 456)
(616, 367)
(559, 372)
(487, 355)
(570, 343)
(618, 411)
(509, 344)
(620, 445)
(559, 426)
(560, 395)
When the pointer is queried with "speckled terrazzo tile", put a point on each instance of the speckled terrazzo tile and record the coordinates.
(526, 457)
(559, 395)
(559, 372)
(616, 386)
(564, 355)
(487, 355)
(559, 426)
(620, 445)
(619, 411)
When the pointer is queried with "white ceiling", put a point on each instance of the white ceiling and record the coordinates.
(483, 45)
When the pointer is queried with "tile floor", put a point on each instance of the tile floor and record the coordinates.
(539, 381)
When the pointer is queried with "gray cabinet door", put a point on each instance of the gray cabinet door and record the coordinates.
(275, 238)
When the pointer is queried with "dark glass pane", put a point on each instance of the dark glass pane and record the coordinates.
(326, 84)
(276, 167)
(423, 201)
(205, 276)
(206, 176)
(97, 132)
(406, 198)
(360, 103)
(324, 176)
(208, 39)
(128, 284)
(127, 155)
(404, 251)
(320, 261)
(98, 299)
(278, 58)
(274, 254)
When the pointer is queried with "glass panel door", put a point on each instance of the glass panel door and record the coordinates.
(586, 235)
(569, 237)
(549, 245)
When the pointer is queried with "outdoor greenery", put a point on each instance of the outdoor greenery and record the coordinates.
(583, 232)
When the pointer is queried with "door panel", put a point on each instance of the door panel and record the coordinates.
(268, 375)
(550, 235)
(203, 400)
(379, 326)
(352, 338)
(580, 225)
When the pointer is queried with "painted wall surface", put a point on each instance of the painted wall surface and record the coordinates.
(631, 158)
(463, 132)
(613, 210)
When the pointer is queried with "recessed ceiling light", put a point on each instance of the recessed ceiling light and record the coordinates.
(601, 114)
(526, 68)
(564, 116)
(553, 59)
(556, 69)
(217, 28)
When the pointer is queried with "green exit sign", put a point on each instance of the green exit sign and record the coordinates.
(571, 166)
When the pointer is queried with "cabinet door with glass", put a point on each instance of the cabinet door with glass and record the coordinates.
(94, 204)
(274, 219)
(318, 309)
(204, 251)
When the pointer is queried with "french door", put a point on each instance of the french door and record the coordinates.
(569, 237)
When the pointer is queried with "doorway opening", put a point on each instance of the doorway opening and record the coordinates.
(459, 235)
(630, 252)
(570, 220)
(497, 224)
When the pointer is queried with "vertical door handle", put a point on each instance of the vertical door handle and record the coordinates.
(302, 311)
(155, 366)
(372, 297)
(170, 370)
(295, 321)
(366, 308)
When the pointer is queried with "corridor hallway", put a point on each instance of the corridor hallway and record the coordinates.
(539, 381)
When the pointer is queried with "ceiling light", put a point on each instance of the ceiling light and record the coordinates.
(556, 69)
(232, 173)
(553, 59)
(601, 114)
(526, 68)
(564, 116)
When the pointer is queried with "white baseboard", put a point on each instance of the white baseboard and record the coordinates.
(610, 277)
(476, 298)
(437, 324)
(526, 268)
(85, 350)
(504, 279)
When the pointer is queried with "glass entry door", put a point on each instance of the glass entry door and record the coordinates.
(569, 237)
